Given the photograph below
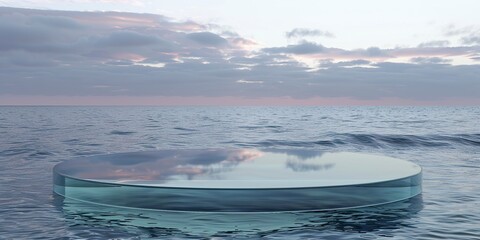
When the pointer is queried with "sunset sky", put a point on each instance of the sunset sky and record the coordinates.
(186, 52)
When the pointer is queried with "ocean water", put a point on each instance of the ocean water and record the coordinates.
(445, 141)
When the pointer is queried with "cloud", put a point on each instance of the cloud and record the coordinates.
(318, 51)
(302, 48)
(56, 22)
(429, 60)
(470, 35)
(374, 52)
(248, 81)
(434, 51)
(471, 39)
(109, 37)
(127, 39)
(440, 43)
(111, 54)
(353, 63)
(25, 59)
(305, 32)
(452, 30)
(207, 38)
(16, 36)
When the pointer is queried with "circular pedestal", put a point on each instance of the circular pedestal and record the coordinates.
(237, 180)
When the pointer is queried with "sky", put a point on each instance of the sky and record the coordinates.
(212, 52)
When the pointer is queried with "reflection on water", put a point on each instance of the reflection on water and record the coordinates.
(195, 224)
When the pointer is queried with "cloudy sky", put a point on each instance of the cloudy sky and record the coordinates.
(215, 52)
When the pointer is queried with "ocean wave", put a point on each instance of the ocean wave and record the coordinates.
(118, 132)
(382, 141)
(373, 140)
(185, 129)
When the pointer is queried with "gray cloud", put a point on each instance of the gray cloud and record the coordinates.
(471, 39)
(429, 60)
(25, 59)
(310, 48)
(407, 81)
(207, 38)
(127, 39)
(319, 51)
(375, 52)
(439, 43)
(470, 35)
(105, 37)
(15, 36)
(197, 79)
(301, 48)
(353, 63)
(305, 32)
(452, 30)
(56, 22)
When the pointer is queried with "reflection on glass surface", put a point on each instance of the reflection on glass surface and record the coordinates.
(237, 180)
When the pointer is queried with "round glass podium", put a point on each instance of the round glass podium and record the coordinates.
(237, 180)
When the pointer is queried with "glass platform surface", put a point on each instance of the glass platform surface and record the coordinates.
(238, 180)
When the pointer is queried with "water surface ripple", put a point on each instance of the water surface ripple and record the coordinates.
(445, 141)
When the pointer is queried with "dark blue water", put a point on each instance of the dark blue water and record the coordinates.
(445, 141)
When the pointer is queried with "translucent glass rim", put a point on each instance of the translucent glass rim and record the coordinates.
(223, 189)
(243, 212)
(100, 181)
